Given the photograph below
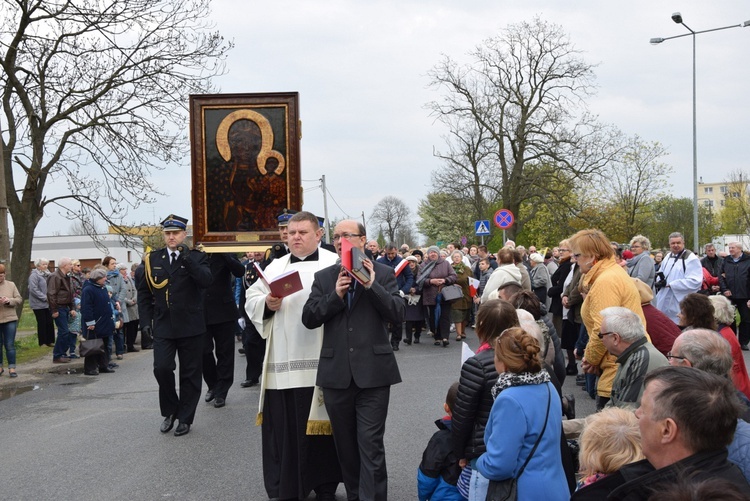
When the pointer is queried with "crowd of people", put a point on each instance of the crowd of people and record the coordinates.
(74, 304)
(650, 335)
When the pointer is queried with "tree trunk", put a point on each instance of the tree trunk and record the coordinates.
(24, 224)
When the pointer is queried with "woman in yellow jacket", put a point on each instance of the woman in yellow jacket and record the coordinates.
(604, 283)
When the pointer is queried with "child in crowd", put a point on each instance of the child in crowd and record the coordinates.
(438, 472)
(610, 440)
(74, 326)
(484, 274)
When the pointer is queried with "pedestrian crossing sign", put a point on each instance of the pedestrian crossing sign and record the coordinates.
(482, 228)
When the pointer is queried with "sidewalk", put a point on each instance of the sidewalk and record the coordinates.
(31, 373)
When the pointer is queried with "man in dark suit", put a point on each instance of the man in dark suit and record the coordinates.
(405, 281)
(357, 366)
(221, 323)
(171, 294)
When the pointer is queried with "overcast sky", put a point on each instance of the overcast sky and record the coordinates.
(360, 69)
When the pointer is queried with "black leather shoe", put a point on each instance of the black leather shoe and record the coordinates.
(247, 383)
(220, 402)
(210, 395)
(106, 370)
(168, 423)
(407, 341)
(91, 373)
(182, 429)
(395, 347)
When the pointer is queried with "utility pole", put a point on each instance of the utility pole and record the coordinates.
(325, 208)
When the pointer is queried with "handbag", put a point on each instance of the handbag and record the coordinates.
(452, 292)
(507, 490)
(91, 347)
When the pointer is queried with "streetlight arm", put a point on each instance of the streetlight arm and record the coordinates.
(659, 40)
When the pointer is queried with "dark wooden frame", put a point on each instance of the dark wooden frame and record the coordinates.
(213, 171)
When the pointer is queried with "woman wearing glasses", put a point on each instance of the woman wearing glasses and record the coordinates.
(604, 284)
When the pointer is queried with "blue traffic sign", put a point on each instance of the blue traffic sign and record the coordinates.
(482, 228)
(504, 219)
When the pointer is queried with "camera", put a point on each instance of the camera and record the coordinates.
(660, 281)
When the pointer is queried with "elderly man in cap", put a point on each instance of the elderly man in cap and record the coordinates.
(171, 295)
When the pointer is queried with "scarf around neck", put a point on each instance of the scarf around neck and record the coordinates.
(508, 379)
(425, 272)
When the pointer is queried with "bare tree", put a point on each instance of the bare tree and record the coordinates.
(632, 184)
(525, 91)
(392, 214)
(94, 95)
(735, 215)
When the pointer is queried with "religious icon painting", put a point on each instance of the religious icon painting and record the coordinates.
(245, 166)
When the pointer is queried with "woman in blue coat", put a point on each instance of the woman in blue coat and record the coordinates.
(524, 399)
(96, 316)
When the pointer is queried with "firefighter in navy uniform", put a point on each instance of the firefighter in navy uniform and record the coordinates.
(171, 295)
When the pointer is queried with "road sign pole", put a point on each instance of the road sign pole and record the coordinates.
(504, 239)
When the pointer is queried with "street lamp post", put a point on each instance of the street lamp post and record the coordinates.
(677, 18)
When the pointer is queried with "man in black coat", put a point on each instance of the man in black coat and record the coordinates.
(170, 297)
(357, 366)
(221, 324)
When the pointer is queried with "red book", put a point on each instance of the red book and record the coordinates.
(352, 259)
(284, 285)
(400, 267)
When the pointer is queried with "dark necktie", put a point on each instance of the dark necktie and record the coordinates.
(350, 294)
(174, 259)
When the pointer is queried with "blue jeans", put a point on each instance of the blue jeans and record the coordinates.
(119, 342)
(63, 334)
(8, 340)
(478, 484)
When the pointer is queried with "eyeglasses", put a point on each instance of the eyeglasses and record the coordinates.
(563, 250)
(345, 235)
(602, 334)
(670, 357)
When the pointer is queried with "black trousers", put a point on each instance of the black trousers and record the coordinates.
(45, 326)
(190, 351)
(218, 373)
(295, 463)
(358, 418)
(255, 351)
(94, 362)
(440, 326)
(744, 327)
(397, 332)
(131, 332)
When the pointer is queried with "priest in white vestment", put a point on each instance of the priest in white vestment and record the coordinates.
(299, 454)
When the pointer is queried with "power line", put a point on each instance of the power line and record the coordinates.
(337, 204)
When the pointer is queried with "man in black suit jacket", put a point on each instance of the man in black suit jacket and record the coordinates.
(170, 294)
(221, 324)
(357, 366)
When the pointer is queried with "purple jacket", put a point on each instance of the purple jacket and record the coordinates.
(442, 269)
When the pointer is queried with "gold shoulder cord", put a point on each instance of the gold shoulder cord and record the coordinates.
(150, 279)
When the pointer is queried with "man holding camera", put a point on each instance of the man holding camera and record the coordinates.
(680, 274)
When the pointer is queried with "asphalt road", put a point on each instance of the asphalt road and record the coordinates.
(81, 437)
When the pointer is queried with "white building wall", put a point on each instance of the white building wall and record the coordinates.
(83, 247)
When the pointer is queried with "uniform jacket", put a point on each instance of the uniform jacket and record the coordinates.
(734, 276)
(608, 285)
(59, 291)
(356, 342)
(473, 404)
(176, 308)
(220, 305)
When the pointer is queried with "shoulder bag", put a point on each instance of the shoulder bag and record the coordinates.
(507, 490)
(452, 292)
(91, 347)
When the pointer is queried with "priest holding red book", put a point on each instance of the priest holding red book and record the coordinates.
(299, 454)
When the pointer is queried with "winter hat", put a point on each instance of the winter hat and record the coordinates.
(536, 257)
(97, 274)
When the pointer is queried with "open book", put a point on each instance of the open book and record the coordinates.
(282, 286)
